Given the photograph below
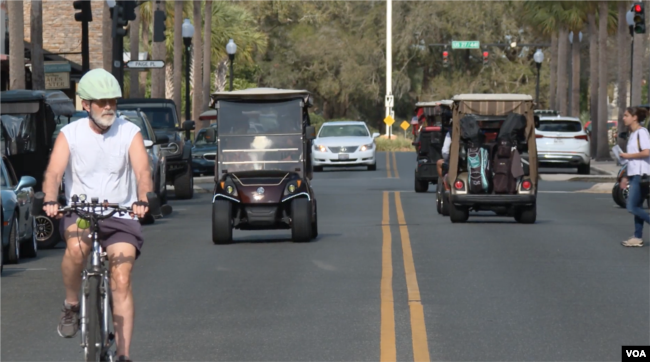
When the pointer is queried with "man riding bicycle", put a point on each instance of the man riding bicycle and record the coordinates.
(99, 156)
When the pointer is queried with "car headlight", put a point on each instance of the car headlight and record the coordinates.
(292, 187)
(228, 188)
(367, 147)
(320, 148)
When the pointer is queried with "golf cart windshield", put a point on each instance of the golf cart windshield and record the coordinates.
(260, 136)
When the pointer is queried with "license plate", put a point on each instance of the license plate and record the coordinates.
(557, 140)
(344, 156)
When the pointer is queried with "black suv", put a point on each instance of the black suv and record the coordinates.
(164, 120)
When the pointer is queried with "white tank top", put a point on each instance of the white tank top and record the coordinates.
(99, 164)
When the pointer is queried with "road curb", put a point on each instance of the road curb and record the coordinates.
(600, 171)
(599, 188)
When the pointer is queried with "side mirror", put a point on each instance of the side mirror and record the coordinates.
(148, 143)
(375, 135)
(210, 133)
(25, 181)
(536, 118)
(310, 132)
(189, 125)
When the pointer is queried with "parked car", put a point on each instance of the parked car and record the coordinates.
(204, 152)
(562, 142)
(163, 116)
(344, 143)
(157, 160)
(18, 224)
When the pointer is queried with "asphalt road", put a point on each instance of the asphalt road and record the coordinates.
(388, 278)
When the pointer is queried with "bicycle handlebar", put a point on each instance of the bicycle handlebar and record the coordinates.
(85, 209)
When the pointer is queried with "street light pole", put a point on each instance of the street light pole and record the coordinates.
(188, 33)
(231, 49)
(629, 18)
(389, 62)
(539, 58)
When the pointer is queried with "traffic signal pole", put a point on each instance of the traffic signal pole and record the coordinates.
(85, 48)
(118, 47)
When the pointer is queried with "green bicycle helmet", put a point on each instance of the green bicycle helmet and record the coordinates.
(98, 84)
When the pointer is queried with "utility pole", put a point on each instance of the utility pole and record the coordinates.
(389, 63)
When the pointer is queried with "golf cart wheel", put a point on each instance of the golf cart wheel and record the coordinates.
(221, 222)
(184, 184)
(458, 213)
(526, 215)
(617, 195)
(439, 196)
(301, 224)
(372, 167)
(13, 252)
(47, 232)
(421, 186)
(160, 190)
(444, 200)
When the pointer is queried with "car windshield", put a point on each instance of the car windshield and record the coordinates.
(351, 130)
(159, 117)
(4, 174)
(202, 140)
(138, 121)
(240, 118)
(560, 126)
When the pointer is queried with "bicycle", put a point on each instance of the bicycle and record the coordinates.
(96, 303)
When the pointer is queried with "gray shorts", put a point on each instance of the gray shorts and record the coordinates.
(111, 231)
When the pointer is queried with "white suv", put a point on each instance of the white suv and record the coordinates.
(563, 142)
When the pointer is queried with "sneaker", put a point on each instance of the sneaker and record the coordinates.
(123, 359)
(69, 323)
(633, 242)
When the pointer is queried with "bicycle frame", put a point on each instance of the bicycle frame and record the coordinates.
(97, 267)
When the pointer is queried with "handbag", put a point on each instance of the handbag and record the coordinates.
(645, 179)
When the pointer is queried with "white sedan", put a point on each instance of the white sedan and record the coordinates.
(344, 143)
(563, 142)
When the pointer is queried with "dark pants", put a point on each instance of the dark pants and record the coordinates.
(635, 199)
(111, 231)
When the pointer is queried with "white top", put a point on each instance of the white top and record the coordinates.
(638, 166)
(446, 146)
(99, 164)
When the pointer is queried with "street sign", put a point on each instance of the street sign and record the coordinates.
(145, 64)
(405, 125)
(389, 120)
(464, 44)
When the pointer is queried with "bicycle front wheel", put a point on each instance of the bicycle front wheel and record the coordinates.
(93, 348)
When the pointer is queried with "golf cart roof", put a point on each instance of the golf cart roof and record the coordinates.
(58, 102)
(446, 102)
(262, 94)
(343, 123)
(492, 97)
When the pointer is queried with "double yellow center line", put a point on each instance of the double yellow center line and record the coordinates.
(388, 165)
(418, 328)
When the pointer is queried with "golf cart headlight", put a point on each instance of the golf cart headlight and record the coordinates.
(320, 148)
(229, 189)
(366, 147)
(292, 187)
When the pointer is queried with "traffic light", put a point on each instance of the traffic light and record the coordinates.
(86, 13)
(445, 59)
(119, 20)
(486, 56)
(159, 18)
(129, 9)
(639, 18)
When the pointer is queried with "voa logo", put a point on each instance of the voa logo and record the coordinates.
(635, 353)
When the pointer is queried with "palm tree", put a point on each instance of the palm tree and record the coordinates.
(563, 40)
(107, 38)
(623, 65)
(575, 16)
(593, 81)
(16, 45)
(638, 68)
(197, 58)
(602, 152)
(145, 15)
(207, 54)
(158, 53)
(36, 38)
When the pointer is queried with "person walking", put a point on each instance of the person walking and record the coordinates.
(638, 170)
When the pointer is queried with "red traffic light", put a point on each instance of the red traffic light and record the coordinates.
(445, 54)
(485, 54)
(637, 8)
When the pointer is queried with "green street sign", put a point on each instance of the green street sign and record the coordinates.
(463, 44)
